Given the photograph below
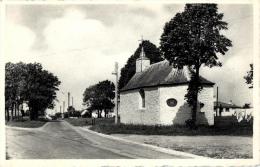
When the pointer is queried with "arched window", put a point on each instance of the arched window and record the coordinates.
(142, 95)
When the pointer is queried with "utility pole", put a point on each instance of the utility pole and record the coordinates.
(217, 103)
(72, 101)
(116, 91)
(68, 99)
(61, 112)
(63, 109)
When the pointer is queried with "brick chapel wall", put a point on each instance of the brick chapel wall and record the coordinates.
(181, 112)
(130, 107)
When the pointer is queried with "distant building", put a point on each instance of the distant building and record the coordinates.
(223, 109)
(155, 95)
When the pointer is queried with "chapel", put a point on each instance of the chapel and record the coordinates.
(155, 96)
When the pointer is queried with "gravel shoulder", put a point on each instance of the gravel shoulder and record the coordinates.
(228, 147)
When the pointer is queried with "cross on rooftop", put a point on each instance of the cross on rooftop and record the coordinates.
(142, 54)
(142, 39)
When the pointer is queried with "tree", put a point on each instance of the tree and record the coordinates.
(89, 98)
(14, 80)
(193, 38)
(40, 89)
(71, 111)
(128, 71)
(105, 90)
(249, 76)
(58, 115)
(246, 105)
(100, 97)
(31, 84)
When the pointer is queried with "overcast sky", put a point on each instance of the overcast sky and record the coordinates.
(80, 43)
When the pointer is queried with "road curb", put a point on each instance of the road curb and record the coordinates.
(161, 149)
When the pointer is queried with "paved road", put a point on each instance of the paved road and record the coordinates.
(60, 140)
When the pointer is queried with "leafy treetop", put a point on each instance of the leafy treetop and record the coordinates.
(193, 37)
(99, 96)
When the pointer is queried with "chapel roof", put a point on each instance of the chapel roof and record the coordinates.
(161, 74)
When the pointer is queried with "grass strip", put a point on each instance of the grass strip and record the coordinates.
(26, 123)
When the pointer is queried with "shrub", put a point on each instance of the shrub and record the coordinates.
(191, 124)
(171, 130)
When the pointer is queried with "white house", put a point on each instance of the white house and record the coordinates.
(223, 109)
(155, 95)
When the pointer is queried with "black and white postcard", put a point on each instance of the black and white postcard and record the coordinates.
(130, 83)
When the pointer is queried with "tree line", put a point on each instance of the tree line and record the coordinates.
(28, 84)
(99, 97)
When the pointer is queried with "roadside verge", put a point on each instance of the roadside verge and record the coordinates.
(21, 128)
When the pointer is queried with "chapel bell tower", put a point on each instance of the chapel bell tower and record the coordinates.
(142, 62)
